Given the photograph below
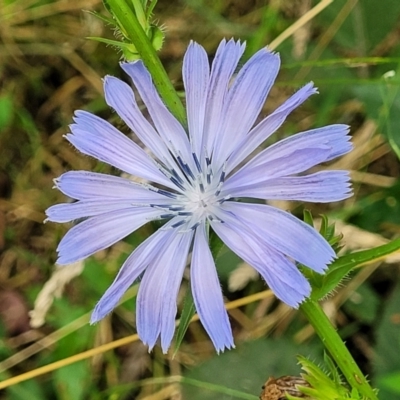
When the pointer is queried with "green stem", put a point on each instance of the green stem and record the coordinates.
(127, 18)
(337, 348)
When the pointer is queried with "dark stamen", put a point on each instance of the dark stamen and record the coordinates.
(222, 177)
(165, 216)
(195, 226)
(197, 162)
(176, 208)
(177, 183)
(179, 223)
(185, 168)
(168, 194)
(208, 178)
(214, 218)
(175, 174)
(220, 201)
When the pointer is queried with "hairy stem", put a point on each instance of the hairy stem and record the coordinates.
(128, 20)
(337, 349)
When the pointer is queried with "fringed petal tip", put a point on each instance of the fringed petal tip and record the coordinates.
(150, 345)
(98, 314)
(48, 213)
(219, 347)
(64, 260)
(94, 319)
(299, 303)
(79, 114)
(106, 77)
(238, 42)
(165, 348)
(218, 350)
(292, 296)
(310, 88)
(346, 190)
(271, 52)
(222, 43)
(230, 346)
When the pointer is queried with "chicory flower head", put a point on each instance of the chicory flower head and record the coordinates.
(196, 178)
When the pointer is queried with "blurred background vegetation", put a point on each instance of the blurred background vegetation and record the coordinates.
(48, 69)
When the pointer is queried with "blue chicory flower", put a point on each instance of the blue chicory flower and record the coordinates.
(197, 177)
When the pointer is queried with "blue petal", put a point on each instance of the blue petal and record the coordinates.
(135, 264)
(84, 185)
(295, 154)
(121, 98)
(196, 71)
(97, 138)
(158, 291)
(207, 293)
(335, 137)
(67, 212)
(167, 126)
(100, 232)
(285, 233)
(321, 187)
(252, 174)
(222, 69)
(281, 275)
(285, 280)
(268, 126)
(244, 101)
(174, 278)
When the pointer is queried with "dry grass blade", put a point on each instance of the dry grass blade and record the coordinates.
(110, 346)
(299, 24)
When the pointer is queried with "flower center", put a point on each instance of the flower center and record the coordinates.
(199, 201)
(199, 196)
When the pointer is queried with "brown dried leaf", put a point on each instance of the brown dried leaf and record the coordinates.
(276, 389)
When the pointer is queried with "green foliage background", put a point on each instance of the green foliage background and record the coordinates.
(48, 69)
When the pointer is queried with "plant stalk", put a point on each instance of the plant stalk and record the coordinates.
(337, 349)
(128, 20)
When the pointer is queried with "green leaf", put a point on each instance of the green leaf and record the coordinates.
(386, 360)
(140, 13)
(186, 316)
(102, 17)
(382, 103)
(72, 381)
(216, 245)
(223, 390)
(308, 218)
(323, 284)
(366, 26)
(106, 6)
(150, 8)
(390, 382)
(333, 371)
(324, 385)
(116, 43)
(6, 111)
(157, 37)
(244, 369)
(363, 304)
(31, 390)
